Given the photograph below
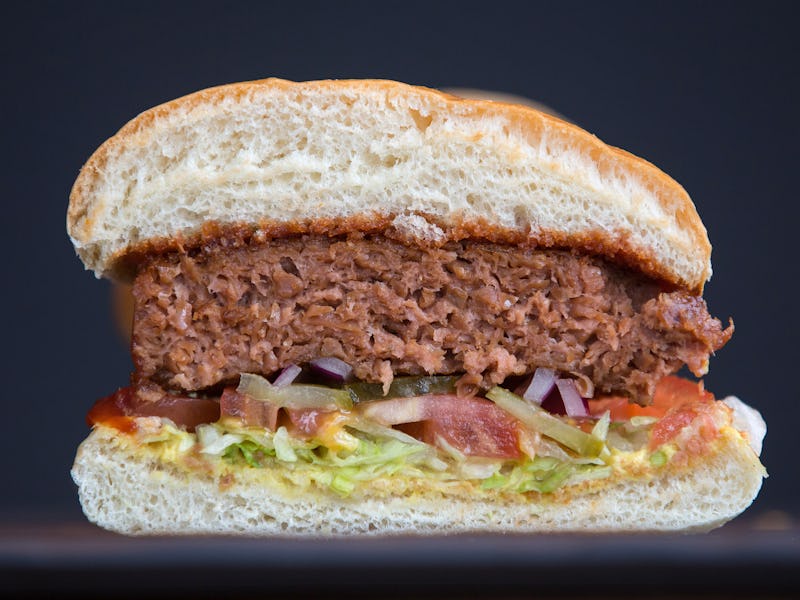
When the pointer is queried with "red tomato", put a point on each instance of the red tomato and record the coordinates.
(670, 392)
(677, 403)
(700, 412)
(251, 412)
(117, 409)
(473, 426)
(110, 411)
(671, 425)
(307, 422)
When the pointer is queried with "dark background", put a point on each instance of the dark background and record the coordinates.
(706, 91)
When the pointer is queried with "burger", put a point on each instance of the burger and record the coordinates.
(363, 307)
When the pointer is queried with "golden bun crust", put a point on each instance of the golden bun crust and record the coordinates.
(134, 492)
(279, 154)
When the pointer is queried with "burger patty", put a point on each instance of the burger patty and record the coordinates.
(479, 309)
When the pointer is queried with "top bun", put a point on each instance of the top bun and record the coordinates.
(287, 156)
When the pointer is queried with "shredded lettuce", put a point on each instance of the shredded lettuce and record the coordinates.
(341, 470)
(589, 472)
(215, 442)
(171, 441)
(495, 481)
(546, 480)
(544, 475)
(380, 454)
(600, 429)
(658, 459)
(283, 446)
(356, 449)
(252, 453)
(342, 485)
(630, 436)
(642, 421)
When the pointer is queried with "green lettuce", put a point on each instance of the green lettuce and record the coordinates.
(248, 451)
(544, 475)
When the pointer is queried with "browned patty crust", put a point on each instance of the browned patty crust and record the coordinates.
(387, 308)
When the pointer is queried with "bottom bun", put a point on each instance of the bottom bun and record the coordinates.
(126, 489)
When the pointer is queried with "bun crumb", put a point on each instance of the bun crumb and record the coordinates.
(418, 228)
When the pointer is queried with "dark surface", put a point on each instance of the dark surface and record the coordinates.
(80, 560)
(706, 91)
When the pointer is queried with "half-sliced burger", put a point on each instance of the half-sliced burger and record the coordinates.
(366, 307)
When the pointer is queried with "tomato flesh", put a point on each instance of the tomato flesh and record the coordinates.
(306, 423)
(251, 412)
(473, 426)
(677, 404)
(670, 392)
(118, 410)
(699, 413)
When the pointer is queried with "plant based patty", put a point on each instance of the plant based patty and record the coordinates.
(479, 309)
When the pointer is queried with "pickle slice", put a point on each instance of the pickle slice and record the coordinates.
(403, 387)
(540, 420)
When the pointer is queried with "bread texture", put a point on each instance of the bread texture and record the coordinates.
(283, 156)
(130, 491)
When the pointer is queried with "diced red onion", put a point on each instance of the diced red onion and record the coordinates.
(573, 403)
(541, 385)
(332, 367)
(287, 376)
(553, 404)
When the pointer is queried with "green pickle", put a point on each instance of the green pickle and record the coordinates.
(403, 387)
(540, 420)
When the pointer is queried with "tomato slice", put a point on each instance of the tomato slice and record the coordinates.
(251, 412)
(699, 413)
(671, 425)
(307, 423)
(670, 392)
(473, 426)
(118, 410)
(111, 412)
(677, 403)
